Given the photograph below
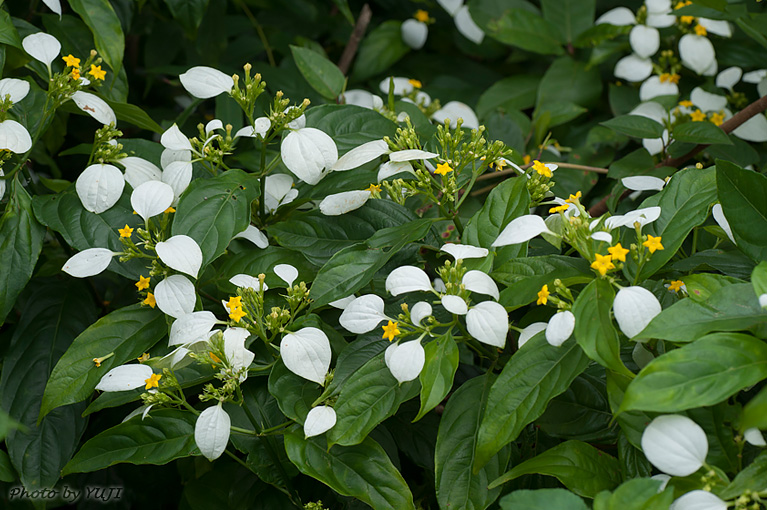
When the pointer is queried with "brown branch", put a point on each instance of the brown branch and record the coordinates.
(354, 40)
(504, 173)
(731, 125)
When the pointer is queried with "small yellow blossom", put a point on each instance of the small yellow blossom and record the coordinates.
(685, 3)
(215, 358)
(676, 286)
(526, 159)
(717, 119)
(390, 330)
(698, 116)
(421, 15)
(142, 283)
(71, 61)
(443, 169)
(234, 302)
(97, 73)
(153, 381)
(374, 188)
(603, 263)
(686, 103)
(700, 30)
(415, 83)
(543, 295)
(125, 231)
(237, 314)
(559, 208)
(498, 165)
(669, 78)
(144, 357)
(75, 74)
(653, 243)
(169, 210)
(573, 198)
(618, 252)
(687, 19)
(150, 300)
(541, 168)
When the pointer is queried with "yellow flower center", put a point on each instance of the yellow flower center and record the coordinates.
(559, 208)
(415, 83)
(97, 73)
(541, 168)
(603, 263)
(234, 302)
(71, 61)
(675, 286)
(698, 116)
(700, 30)
(237, 314)
(717, 119)
(374, 188)
(144, 357)
(421, 15)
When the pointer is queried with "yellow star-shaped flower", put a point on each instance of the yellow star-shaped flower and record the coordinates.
(443, 169)
(169, 210)
(421, 15)
(142, 283)
(717, 119)
(573, 198)
(374, 188)
(215, 358)
(675, 286)
(603, 263)
(559, 208)
(700, 30)
(653, 243)
(669, 78)
(541, 168)
(390, 330)
(97, 73)
(153, 381)
(234, 302)
(237, 314)
(415, 83)
(498, 165)
(144, 357)
(75, 74)
(125, 231)
(618, 252)
(543, 295)
(71, 61)
(150, 300)
(698, 116)
(686, 103)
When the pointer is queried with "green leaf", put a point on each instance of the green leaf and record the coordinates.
(526, 30)
(134, 115)
(456, 486)
(166, 436)
(572, 17)
(348, 125)
(524, 277)
(684, 204)
(759, 278)
(21, 239)
(380, 50)
(322, 74)
(542, 499)
(367, 398)
(635, 125)
(743, 194)
(127, 332)
(105, 25)
(700, 132)
(637, 494)
(584, 84)
(638, 162)
(534, 375)
(54, 314)
(632, 423)
(579, 466)
(188, 13)
(514, 93)
(438, 372)
(633, 462)
(702, 373)
(213, 211)
(731, 308)
(294, 394)
(8, 33)
(755, 412)
(594, 330)
(753, 478)
(7, 473)
(362, 471)
(256, 261)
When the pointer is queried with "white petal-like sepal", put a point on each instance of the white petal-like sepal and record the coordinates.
(178, 175)
(477, 281)
(255, 236)
(727, 78)
(95, 107)
(633, 68)
(245, 281)
(488, 322)
(125, 377)
(414, 33)
(16, 89)
(753, 130)
(342, 203)
(54, 5)
(675, 444)
(455, 110)
(175, 140)
(151, 198)
(720, 219)
(644, 40)
(560, 327)
(234, 349)
(530, 331)
(286, 273)
(342, 303)
(204, 82)
(181, 253)
(138, 171)
(392, 168)
(643, 183)
(699, 500)
(99, 187)
(405, 360)
(619, 16)
(455, 304)
(634, 308)
(14, 137)
(419, 312)
(407, 279)
(653, 87)
(42, 47)
(464, 251)
(211, 431)
(307, 354)
(191, 328)
(707, 101)
(320, 419)
(363, 314)
(605, 237)
(402, 86)
(358, 156)
(521, 229)
(466, 25)
(307, 153)
(411, 155)
(175, 296)
(88, 262)
(696, 52)
(754, 436)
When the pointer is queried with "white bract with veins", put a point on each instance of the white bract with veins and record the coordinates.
(211, 431)
(675, 444)
(405, 360)
(307, 354)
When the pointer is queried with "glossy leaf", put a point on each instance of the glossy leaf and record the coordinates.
(755, 412)
(438, 372)
(105, 25)
(526, 30)
(572, 17)
(752, 478)
(542, 499)
(743, 195)
(294, 394)
(635, 125)
(322, 74)
(380, 49)
(349, 126)
(524, 277)
(637, 494)
(700, 132)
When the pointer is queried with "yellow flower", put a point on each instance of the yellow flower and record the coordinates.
(543, 295)
(717, 118)
(144, 357)
(169, 210)
(443, 169)
(75, 74)
(669, 78)
(153, 381)
(125, 231)
(150, 300)
(573, 198)
(676, 286)
(541, 168)
(498, 165)
(700, 30)
(686, 103)
(236, 314)
(653, 243)
(97, 361)
(618, 252)
(142, 283)
(97, 73)
(374, 188)
(215, 358)
(559, 208)
(526, 159)
(234, 302)
(390, 330)
(415, 83)
(698, 116)
(679, 5)
(686, 19)
(421, 16)
(71, 61)
(603, 263)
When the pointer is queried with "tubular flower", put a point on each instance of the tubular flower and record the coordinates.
(603, 263)
(653, 243)
(541, 168)
(543, 295)
(150, 300)
(618, 252)
(390, 331)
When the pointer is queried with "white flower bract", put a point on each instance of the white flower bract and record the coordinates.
(175, 296)
(634, 308)
(307, 354)
(488, 322)
(211, 431)
(560, 327)
(125, 377)
(181, 253)
(675, 444)
(88, 262)
(99, 187)
(205, 82)
(320, 419)
(407, 279)
(405, 360)
(363, 314)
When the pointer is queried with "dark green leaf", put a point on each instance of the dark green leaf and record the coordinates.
(8, 33)
(526, 30)
(348, 125)
(524, 277)
(134, 115)
(7, 473)
(322, 74)
(637, 494)
(542, 499)
(294, 394)
(514, 93)
(743, 194)
(635, 163)
(379, 50)
(189, 13)
(584, 84)
(438, 372)
(572, 17)
(753, 478)
(700, 132)
(755, 412)
(105, 25)
(635, 125)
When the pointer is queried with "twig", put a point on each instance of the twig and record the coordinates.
(511, 171)
(354, 40)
